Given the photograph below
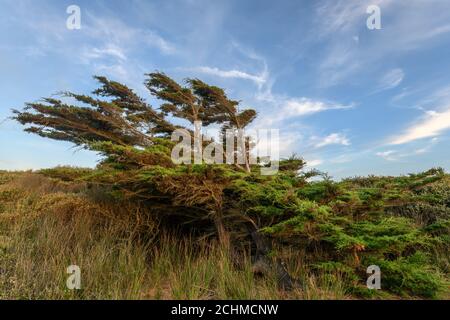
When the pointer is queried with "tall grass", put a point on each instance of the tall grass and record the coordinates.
(46, 226)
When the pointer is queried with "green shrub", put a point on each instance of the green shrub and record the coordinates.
(410, 276)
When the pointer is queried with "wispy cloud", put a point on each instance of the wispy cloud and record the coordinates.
(332, 139)
(438, 31)
(339, 22)
(115, 32)
(297, 107)
(151, 38)
(431, 125)
(434, 121)
(421, 150)
(388, 155)
(109, 50)
(408, 152)
(439, 99)
(343, 158)
(343, 15)
(314, 163)
(113, 47)
(391, 79)
(290, 108)
(237, 74)
(117, 71)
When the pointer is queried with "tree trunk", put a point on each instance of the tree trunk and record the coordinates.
(263, 264)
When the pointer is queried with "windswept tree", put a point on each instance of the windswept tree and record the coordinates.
(125, 120)
(205, 104)
(345, 226)
(135, 141)
(132, 135)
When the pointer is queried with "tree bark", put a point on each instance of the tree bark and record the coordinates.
(263, 264)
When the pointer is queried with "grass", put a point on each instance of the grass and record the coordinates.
(47, 225)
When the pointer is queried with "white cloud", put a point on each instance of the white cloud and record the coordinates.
(440, 30)
(305, 106)
(114, 31)
(408, 27)
(391, 79)
(343, 15)
(387, 155)
(290, 108)
(258, 79)
(431, 125)
(440, 97)
(343, 158)
(340, 62)
(403, 29)
(421, 150)
(338, 23)
(155, 40)
(287, 107)
(314, 162)
(408, 152)
(107, 51)
(276, 148)
(117, 71)
(334, 138)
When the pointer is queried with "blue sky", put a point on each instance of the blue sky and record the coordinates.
(350, 100)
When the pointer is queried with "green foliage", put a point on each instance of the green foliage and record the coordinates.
(357, 223)
(399, 223)
(412, 275)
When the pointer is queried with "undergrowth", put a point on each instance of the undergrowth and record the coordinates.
(124, 252)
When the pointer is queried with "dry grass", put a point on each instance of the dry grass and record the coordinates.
(45, 226)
